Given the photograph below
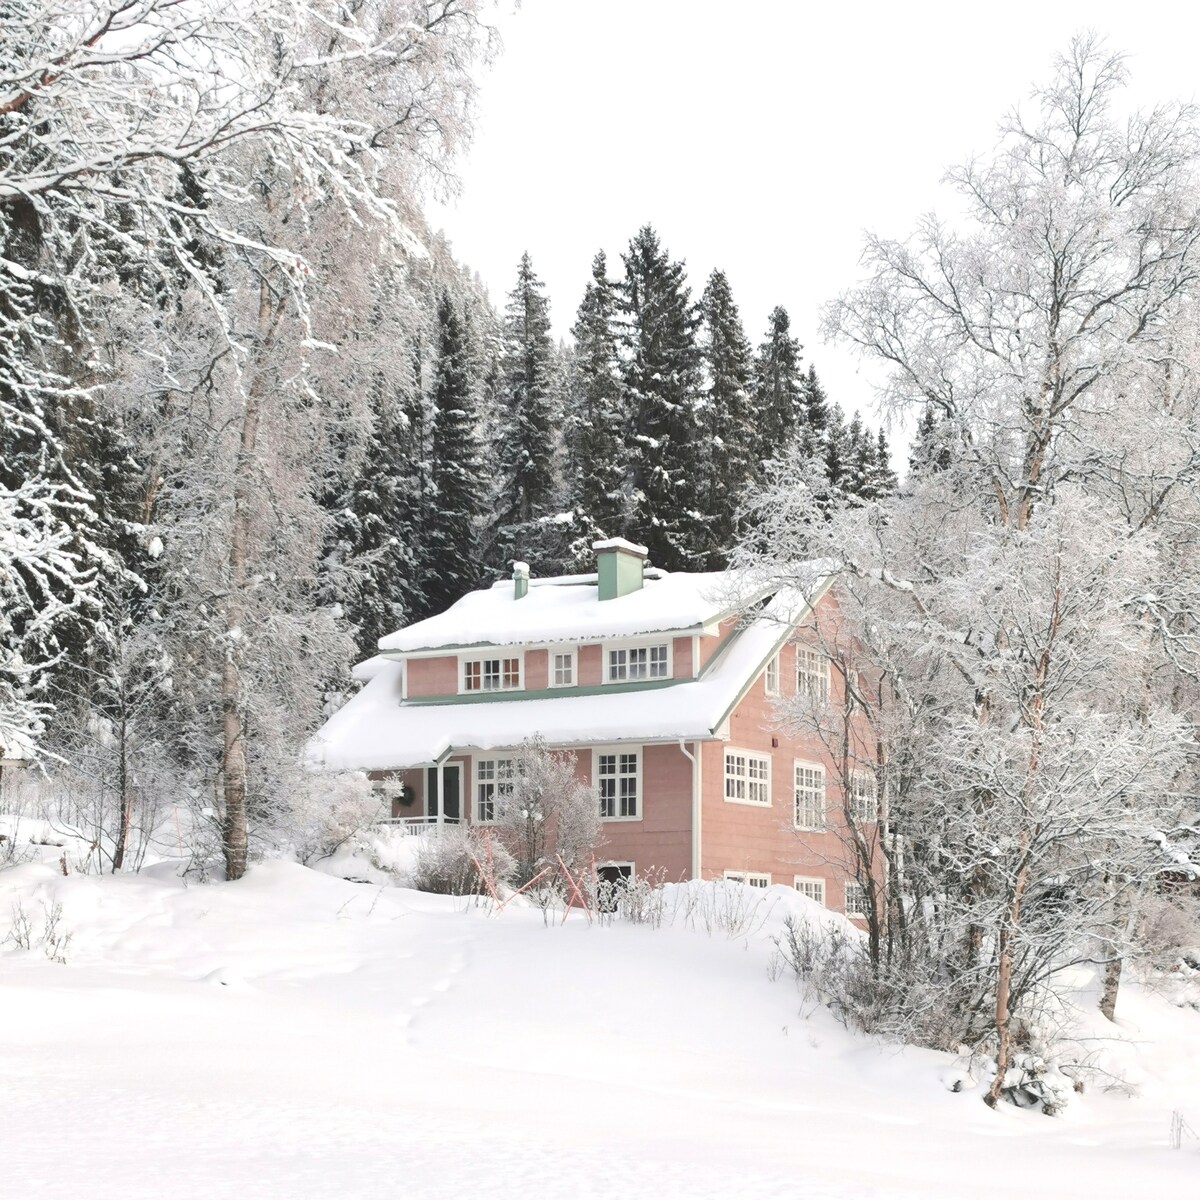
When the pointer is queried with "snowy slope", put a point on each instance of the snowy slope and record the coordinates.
(295, 1035)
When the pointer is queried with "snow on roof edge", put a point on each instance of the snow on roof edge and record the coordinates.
(619, 543)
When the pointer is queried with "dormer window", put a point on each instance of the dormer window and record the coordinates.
(491, 674)
(638, 662)
(562, 668)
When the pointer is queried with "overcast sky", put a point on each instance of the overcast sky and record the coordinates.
(759, 137)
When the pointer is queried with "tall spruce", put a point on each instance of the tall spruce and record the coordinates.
(835, 447)
(859, 465)
(529, 485)
(662, 381)
(725, 421)
(377, 529)
(932, 443)
(780, 387)
(595, 424)
(884, 482)
(450, 566)
(817, 416)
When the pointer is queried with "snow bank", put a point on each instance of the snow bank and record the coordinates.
(296, 1035)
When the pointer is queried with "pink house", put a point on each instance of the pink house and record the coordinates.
(663, 687)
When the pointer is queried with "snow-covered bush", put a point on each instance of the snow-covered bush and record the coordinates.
(640, 900)
(548, 813)
(325, 812)
(1168, 934)
(898, 998)
(1033, 1082)
(726, 906)
(392, 849)
(449, 859)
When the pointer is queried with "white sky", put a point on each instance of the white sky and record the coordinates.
(760, 137)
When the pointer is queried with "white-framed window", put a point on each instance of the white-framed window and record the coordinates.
(864, 805)
(624, 663)
(491, 674)
(811, 886)
(812, 674)
(756, 879)
(810, 795)
(562, 668)
(856, 899)
(493, 781)
(747, 778)
(771, 676)
(618, 776)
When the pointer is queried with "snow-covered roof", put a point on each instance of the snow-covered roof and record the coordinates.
(377, 730)
(566, 609)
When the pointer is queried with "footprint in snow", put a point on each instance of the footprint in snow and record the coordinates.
(223, 977)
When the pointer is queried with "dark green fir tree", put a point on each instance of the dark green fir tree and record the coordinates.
(727, 429)
(595, 433)
(780, 387)
(450, 565)
(662, 388)
(529, 483)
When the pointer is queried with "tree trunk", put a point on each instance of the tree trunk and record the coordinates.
(233, 757)
(1003, 1026)
(233, 771)
(1112, 982)
(125, 798)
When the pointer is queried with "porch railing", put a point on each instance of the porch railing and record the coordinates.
(417, 824)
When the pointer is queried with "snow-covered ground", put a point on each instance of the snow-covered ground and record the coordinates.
(297, 1035)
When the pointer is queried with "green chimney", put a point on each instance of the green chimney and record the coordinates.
(618, 567)
(520, 580)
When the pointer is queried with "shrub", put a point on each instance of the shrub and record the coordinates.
(448, 861)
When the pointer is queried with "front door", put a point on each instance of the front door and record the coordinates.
(453, 807)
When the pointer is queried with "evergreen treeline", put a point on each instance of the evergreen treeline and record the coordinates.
(650, 426)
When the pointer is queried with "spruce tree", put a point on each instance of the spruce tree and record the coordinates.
(662, 382)
(780, 389)
(529, 485)
(816, 411)
(450, 568)
(859, 460)
(884, 483)
(836, 448)
(728, 434)
(378, 525)
(931, 445)
(595, 425)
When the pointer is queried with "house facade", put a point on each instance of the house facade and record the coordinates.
(669, 689)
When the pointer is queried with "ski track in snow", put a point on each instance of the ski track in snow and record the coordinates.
(297, 1036)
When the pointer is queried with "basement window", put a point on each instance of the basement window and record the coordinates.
(756, 879)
